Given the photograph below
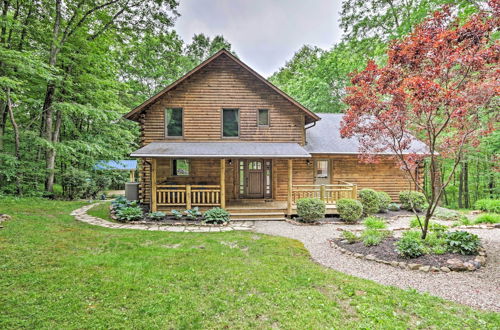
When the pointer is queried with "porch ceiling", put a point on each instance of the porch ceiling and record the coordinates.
(222, 150)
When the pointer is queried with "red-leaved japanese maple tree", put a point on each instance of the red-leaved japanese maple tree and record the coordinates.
(441, 84)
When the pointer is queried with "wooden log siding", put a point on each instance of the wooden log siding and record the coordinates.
(224, 84)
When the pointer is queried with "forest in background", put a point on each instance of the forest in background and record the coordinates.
(70, 69)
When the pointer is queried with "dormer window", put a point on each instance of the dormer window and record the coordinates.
(173, 122)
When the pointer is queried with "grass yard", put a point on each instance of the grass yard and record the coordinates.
(60, 273)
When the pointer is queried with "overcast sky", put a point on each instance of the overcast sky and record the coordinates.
(264, 33)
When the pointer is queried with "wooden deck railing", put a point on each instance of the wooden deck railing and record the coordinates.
(329, 193)
(188, 195)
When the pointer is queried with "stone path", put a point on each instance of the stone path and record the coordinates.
(81, 215)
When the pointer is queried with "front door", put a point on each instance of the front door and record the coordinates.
(254, 178)
(321, 171)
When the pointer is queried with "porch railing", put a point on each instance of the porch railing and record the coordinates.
(329, 193)
(188, 195)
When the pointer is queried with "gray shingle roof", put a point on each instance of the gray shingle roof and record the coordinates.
(324, 138)
(222, 149)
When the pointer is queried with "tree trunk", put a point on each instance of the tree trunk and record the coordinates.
(17, 151)
(461, 187)
(466, 185)
(51, 155)
(3, 121)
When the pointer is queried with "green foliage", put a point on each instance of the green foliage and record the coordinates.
(447, 214)
(193, 213)
(350, 237)
(488, 218)
(157, 216)
(409, 247)
(373, 237)
(462, 242)
(488, 205)
(177, 214)
(383, 200)
(129, 213)
(374, 223)
(75, 183)
(393, 207)
(432, 226)
(412, 200)
(349, 210)
(311, 209)
(216, 215)
(369, 198)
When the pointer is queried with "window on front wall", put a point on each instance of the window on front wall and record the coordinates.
(321, 169)
(173, 122)
(263, 117)
(180, 167)
(230, 123)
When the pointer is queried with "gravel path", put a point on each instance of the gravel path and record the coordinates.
(479, 289)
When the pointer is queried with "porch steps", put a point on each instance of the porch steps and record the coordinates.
(247, 214)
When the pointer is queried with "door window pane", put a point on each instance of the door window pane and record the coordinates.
(322, 169)
(173, 122)
(230, 123)
(180, 167)
(263, 117)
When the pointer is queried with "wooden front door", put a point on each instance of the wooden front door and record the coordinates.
(254, 178)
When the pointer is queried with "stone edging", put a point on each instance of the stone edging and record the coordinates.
(81, 215)
(455, 265)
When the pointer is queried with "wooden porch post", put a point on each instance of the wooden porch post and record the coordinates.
(188, 196)
(132, 175)
(289, 200)
(355, 192)
(223, 183)
(153, 185)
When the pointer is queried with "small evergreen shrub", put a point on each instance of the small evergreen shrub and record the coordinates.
(393, 207)
(129, 213)
(410, 247)
(383, 201)
(350, 237)
(488, 218)
(157, 216)
(216, 215)
(412, 200)
(374, 223)
(488, 205)
(349, 210)
(370, 201)
(311, 209)
(462, 242)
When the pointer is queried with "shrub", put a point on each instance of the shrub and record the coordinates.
(350, 237)
(383, 201)
(488, 205)
(370, 200)
(409, 247)
(374, 223)
(156, 215)
(216, 215)
(462, 242)
(177, 214)
(412, 200)
(393, 207)
(119, 203)
(193, 213)
(488, 218)
(447, 214)
(372, 237)
(129, 213)
(75, 183)
(349, 209)
(435, 243)
(311, 209)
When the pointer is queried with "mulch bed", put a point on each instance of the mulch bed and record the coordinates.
(387, 251)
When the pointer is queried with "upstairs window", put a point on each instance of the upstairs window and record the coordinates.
(173, 122)
(180, 167)
(263, 117)
(230, 123)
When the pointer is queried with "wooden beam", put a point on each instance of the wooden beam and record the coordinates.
(290, 179)
(188, 196)
(223, 183)
(132, 175)
(153, 185)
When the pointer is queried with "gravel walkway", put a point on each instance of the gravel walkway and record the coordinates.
(479, 289)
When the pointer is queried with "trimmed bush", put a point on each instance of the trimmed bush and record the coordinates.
(488, 218)
(383, 201)
(410, 247)
(462, 242)
(412, 200)
(393, 207)
(374, 223)
(311, 209)
(370, 200)
(349, 210)
(488, 205)
(129, 213)
(350, 237)
(216, 215)
(157, 216)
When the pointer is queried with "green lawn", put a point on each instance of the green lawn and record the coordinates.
(60, 273)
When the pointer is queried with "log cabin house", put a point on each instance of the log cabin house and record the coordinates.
(222, 135)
